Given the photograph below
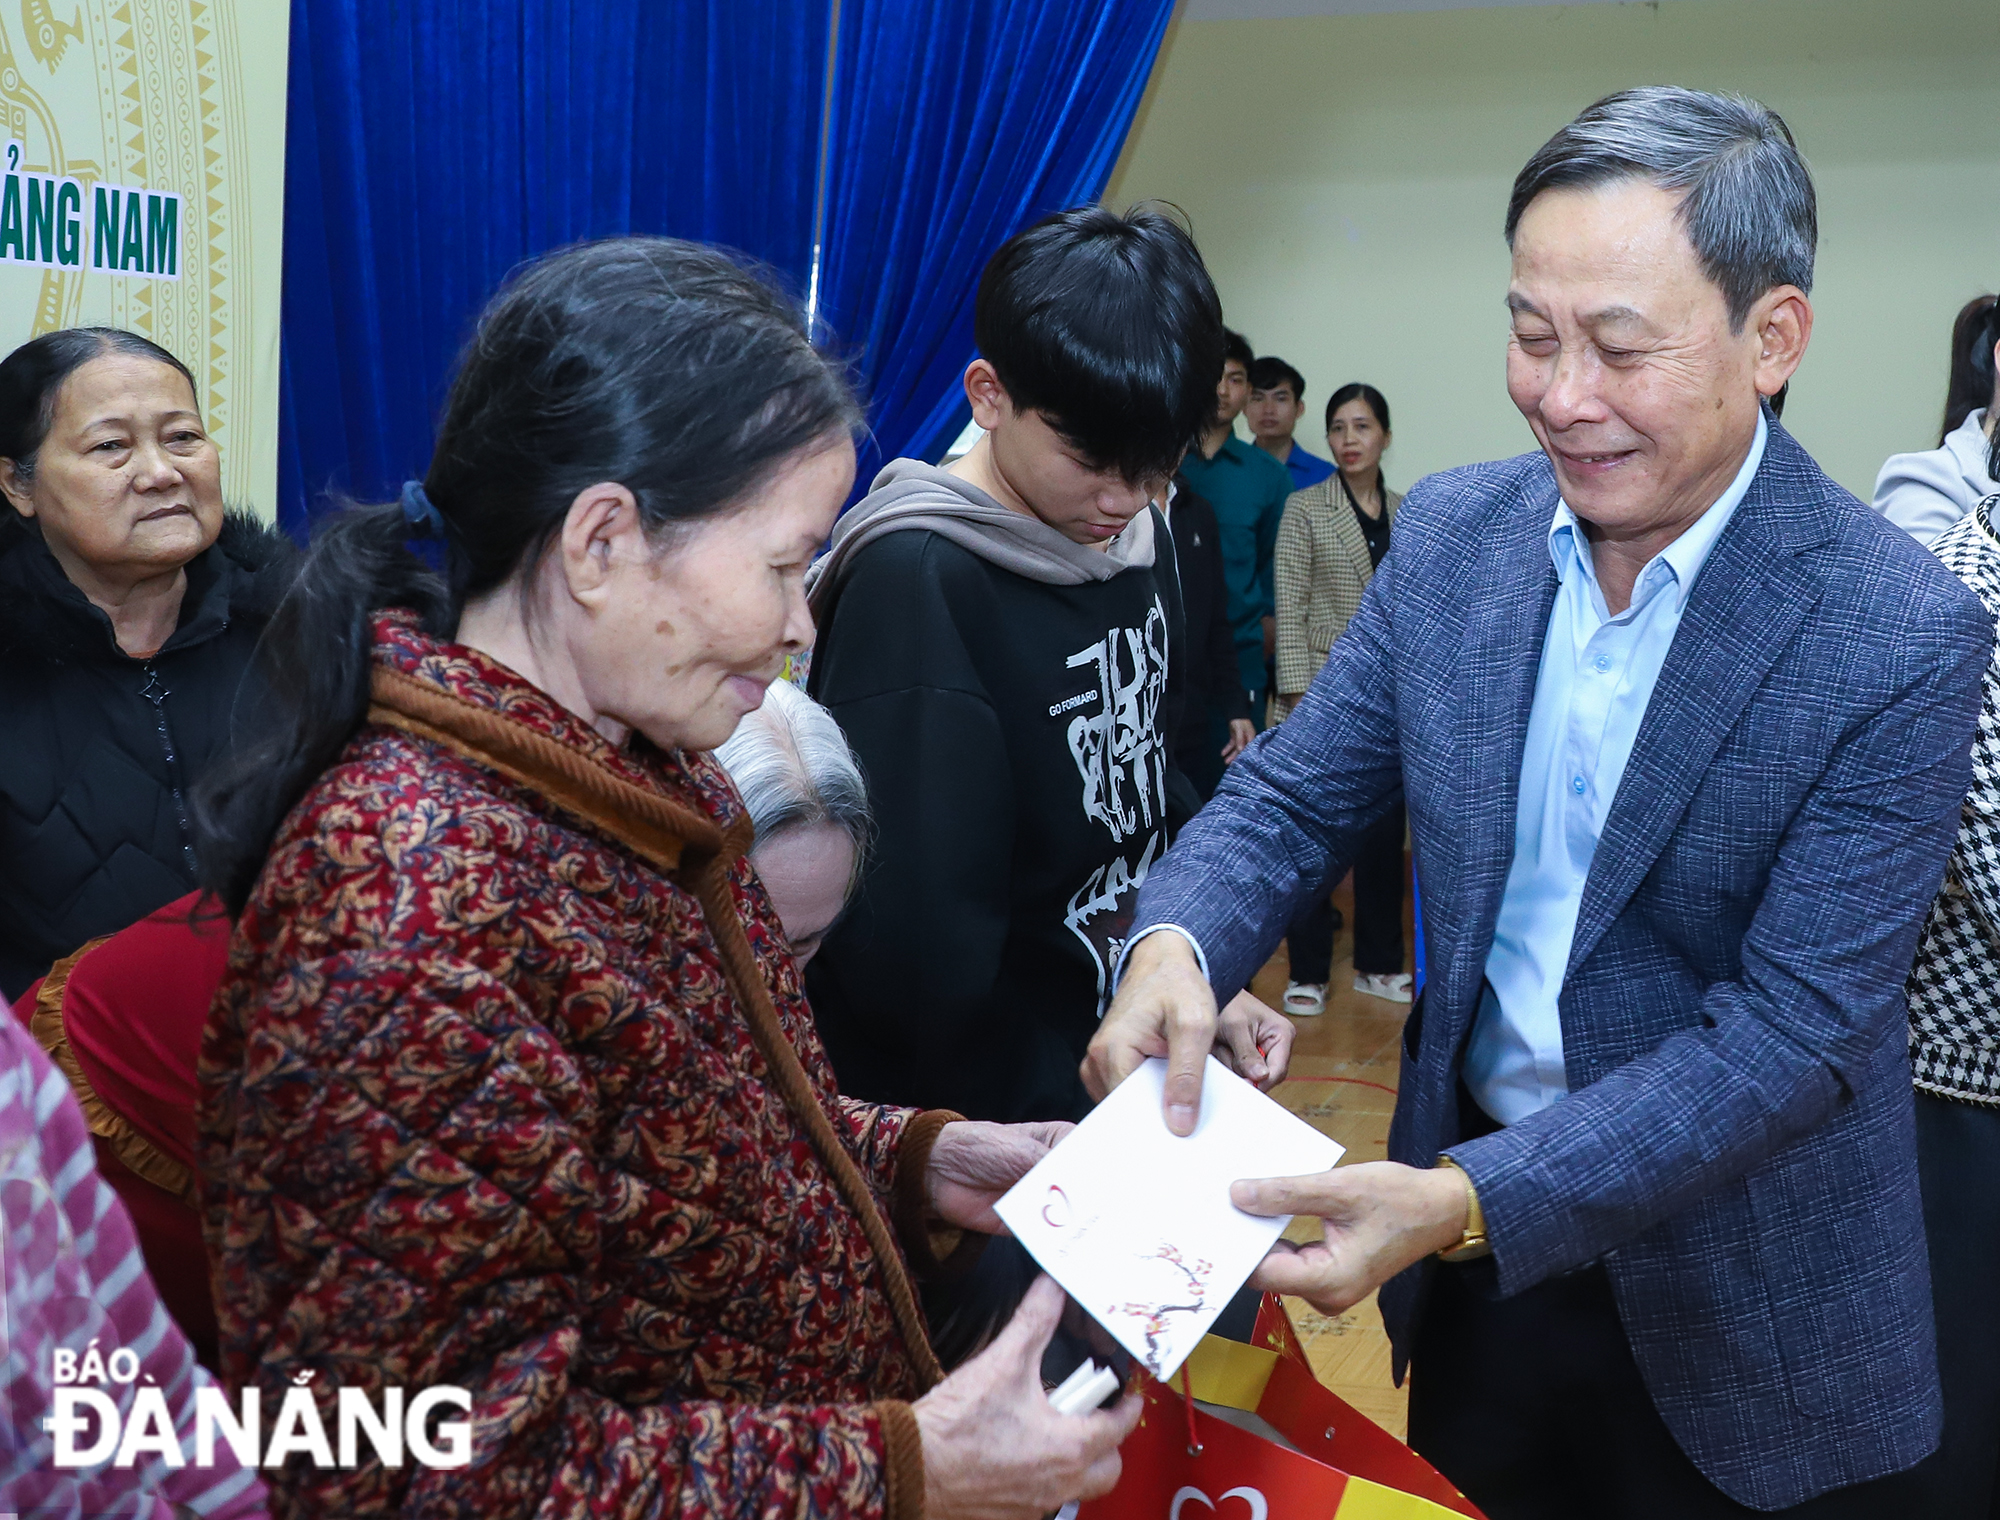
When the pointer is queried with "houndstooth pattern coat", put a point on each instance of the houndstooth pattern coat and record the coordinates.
(1955, 986)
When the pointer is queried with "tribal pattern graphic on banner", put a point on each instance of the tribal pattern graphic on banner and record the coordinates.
(142, 186)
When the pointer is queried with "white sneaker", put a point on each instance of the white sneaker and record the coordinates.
(1393, 988)
(1305, 1000)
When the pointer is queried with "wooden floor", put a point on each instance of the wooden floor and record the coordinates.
(1343, 1080)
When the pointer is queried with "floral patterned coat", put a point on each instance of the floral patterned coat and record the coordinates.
(489, 1100)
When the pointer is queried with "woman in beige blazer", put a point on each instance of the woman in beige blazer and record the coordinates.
(1332, 537)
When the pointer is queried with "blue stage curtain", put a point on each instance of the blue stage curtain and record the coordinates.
(432, 147)
(954, 126)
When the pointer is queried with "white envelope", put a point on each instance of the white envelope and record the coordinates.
(1135, 1222)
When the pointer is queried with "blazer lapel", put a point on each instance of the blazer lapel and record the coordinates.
(1499, 660)
(1347, 532)
(1747, 603)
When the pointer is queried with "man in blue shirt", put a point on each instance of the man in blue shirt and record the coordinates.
(1683, 731)
(1277, 401)
(1247, 488)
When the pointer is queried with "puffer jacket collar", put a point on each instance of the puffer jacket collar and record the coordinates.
(43, 615)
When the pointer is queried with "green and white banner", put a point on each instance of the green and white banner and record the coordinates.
(57, 222)
(142, 172)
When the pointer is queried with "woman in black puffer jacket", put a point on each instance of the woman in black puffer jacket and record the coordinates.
(129, 605)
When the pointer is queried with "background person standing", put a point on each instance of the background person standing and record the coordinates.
(1331, 541)
(1247, 488)
(1926, 492)
(1277, 402)
(1954, 993)
(129, 605)
(1214, 725)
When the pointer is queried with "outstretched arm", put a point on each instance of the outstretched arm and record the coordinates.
(1285, 821)
(1779, 1050)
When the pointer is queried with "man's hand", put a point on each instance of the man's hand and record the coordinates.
(1270, 626)
(1165, 1008)
(973, 1163)
(1241, 732)
(1380, 1217)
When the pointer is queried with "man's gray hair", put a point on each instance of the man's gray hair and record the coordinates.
(1749, 208)
(792, 766)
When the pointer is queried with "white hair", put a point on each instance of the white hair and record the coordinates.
(792, 766)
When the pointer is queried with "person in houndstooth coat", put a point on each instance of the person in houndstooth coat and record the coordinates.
(1954, 994)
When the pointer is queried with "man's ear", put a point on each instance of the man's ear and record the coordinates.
(1782, 321)
(601, 528)
(991, 404)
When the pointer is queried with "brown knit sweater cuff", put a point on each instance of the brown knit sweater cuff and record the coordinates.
(933, 1253)
(902, 1461)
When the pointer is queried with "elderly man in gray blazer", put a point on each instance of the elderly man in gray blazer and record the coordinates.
(1683, 730)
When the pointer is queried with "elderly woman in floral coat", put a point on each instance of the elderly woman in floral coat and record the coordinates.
(510, 1086)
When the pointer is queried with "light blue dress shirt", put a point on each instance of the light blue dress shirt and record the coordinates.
(1597, 675)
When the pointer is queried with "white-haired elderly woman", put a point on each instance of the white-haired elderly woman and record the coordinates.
(804, 792)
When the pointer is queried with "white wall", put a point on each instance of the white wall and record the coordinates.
(1347, 176)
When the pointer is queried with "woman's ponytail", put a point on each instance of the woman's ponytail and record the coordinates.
(307, 693)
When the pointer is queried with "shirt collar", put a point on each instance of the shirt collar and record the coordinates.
(1683, 558)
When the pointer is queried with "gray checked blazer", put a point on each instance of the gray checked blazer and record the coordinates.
(1738, 1145)
(1320, 568)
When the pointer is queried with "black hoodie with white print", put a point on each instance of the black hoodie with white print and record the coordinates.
(1009, 695)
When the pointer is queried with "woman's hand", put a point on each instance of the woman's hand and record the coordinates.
(973, 1163)
(994, 1447)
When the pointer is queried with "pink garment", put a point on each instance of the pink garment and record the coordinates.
(71, 1274)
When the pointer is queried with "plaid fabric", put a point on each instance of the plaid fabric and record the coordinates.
(72, 1278)
(1955, 986)
(1321, 567)
(1738, 1144)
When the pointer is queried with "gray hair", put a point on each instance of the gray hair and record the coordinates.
(1749, 208)
(792, 766)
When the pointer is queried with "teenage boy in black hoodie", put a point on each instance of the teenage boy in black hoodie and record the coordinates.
(1000, 641)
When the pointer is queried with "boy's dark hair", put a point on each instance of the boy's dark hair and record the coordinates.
(1270, 372)
(1110, 327)
(1235, 346)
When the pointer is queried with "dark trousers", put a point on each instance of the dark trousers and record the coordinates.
(1309, 942)
(1378, 912)
(1198, 745)
(1958, 1158)
(1534, 1407)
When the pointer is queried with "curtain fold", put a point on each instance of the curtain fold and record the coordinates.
(954, 126)
(432, 147)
